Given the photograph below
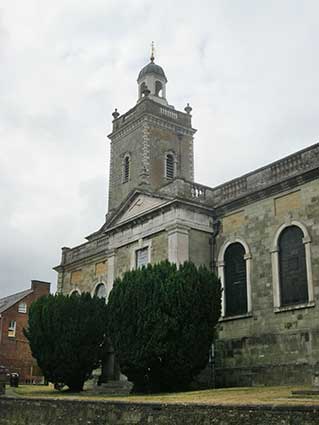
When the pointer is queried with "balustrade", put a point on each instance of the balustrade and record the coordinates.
(198, 191)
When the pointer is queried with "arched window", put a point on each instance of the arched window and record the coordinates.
(158, 88)
(169, 166)
(292, 267)
(74, 292)
(235, 280)
(126, 168)
(143, 86)
(100, 291)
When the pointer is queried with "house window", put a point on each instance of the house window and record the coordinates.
(169, 166)
(22, 308)
(126, 169)
(235, 284)
(292, 267)
(100, 291)
(141, 257)
(12, 329)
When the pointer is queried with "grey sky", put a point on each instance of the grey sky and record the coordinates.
(248, 68)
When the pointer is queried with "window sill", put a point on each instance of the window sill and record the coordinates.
(238, 317)
(294, 307)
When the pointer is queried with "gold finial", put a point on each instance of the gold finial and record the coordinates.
(152, 52)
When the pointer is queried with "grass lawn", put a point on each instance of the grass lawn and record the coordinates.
(255, 395)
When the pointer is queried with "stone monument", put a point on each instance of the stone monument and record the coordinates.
(4, 379)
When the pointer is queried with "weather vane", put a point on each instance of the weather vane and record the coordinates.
(152, 51)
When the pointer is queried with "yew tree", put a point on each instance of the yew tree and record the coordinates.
(66, 336)
(161, 323)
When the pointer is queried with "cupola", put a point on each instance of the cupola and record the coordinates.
(152, 81)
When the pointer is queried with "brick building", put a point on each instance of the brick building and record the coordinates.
(15, 352)
(258, 232)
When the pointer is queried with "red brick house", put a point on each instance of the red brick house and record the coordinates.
(15, 352)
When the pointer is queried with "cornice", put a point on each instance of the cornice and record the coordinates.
(146, 215)
(153, 119)
(86, 259)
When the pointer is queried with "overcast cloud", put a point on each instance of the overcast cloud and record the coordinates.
(248, 68)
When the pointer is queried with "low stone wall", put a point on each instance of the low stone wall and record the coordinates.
(74, 412)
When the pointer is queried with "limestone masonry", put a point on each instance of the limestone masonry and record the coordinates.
(23, 411)
(259, 233)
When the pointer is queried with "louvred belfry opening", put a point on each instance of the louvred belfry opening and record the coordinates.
(170, 166)
(126, 169)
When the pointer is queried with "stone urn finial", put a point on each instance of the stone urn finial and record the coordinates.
(188, 109)
(115, 114)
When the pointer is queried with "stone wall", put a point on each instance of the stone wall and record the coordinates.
(270, 345)
(200, 249)
(159, 247)
(124, 259)
(163, 141)
(129, 144)
(83, 276)
(74, 412)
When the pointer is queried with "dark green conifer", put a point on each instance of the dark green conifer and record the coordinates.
(66, 334)
(161, 322)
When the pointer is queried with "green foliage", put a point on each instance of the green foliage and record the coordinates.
(66, 334)
(161, 322)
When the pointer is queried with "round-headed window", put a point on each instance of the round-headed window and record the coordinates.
(100, 291)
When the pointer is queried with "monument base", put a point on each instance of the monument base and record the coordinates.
(114, 388)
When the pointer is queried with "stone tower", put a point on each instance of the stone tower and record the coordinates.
(152, 143)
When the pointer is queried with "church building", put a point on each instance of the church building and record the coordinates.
(258, 232)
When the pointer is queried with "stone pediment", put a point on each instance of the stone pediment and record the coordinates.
(139, 205)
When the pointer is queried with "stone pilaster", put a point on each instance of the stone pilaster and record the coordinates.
(178, 243)
(111, 263)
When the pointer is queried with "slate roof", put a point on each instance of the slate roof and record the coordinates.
(151, 68)
(7, 302)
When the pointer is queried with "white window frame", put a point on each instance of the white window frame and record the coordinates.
(141, 245)
(12, 329)
(276, 272)
(221, 275)
(22, 308)
(137, 259)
